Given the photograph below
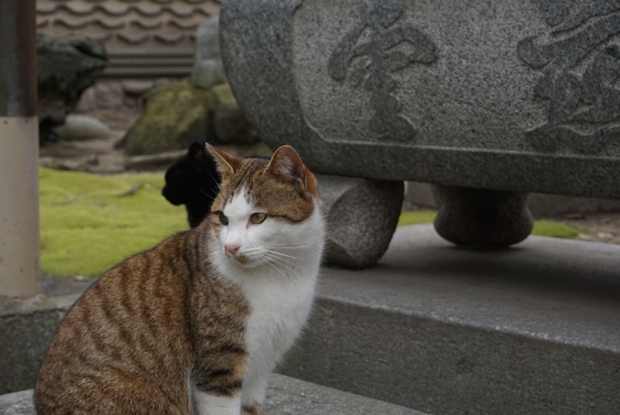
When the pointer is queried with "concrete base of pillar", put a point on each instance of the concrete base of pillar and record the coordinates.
(19, 216)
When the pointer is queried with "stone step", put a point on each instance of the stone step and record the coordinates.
(529, 330)
(286, 396)
(532, 329)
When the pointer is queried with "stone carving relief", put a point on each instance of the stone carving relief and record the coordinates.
(580, 67)
(377, 60)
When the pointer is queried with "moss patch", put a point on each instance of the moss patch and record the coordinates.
(548, 228)
(90, 223)
(417, 217)
(555, 229)
(174, 115)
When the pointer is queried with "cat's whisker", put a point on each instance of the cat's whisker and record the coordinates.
(276, 268)
(280, 261)
(293, 247)
(208, 195)
(279, 253)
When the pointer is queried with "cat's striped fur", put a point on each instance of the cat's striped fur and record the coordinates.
(195, 326)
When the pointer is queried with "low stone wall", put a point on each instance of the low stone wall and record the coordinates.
(26, 329)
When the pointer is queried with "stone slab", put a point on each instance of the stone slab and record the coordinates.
(285, 396)
(532, 329)
(481, 94)
(26, 330)
(529, 330)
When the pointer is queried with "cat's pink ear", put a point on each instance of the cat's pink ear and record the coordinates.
(287, 165)
(226, 164)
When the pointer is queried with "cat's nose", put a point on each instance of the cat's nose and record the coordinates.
(231, 249)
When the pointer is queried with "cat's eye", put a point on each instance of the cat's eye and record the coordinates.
(223, 219)
(258, 218)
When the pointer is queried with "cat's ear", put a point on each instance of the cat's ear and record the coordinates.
(286, 165)
(227, 164)
(198, 152)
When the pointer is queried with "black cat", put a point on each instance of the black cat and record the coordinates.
(194, 182)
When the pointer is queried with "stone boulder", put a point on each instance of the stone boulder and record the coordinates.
(174, 115)
(82, 127)
(229, 123)
(65, 68)
(208, 69)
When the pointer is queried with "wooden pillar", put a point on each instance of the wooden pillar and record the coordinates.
(19, 150)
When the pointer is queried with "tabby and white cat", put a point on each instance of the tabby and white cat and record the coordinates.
(197, 324)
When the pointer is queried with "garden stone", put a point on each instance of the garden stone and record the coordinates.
(82, 127)
(137, 87)
(208, 69)
(174, 115)
(361, 216)
(65, 68)
(229, 122)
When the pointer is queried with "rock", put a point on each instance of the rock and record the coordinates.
(82, 127)
(137, 87)
(229, 122)
(208, 69)
(18, 403)
(109, 94)
(361, 217)
(174, 115)
(65, 68)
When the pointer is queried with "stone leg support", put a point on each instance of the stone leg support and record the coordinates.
(481, 218)
(361, 217)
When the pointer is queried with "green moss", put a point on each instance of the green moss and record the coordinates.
(174, 115)
(548, 228)
(90, 223)
(417, 217)
(555, 229)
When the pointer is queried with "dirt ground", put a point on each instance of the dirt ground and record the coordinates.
(597, 227)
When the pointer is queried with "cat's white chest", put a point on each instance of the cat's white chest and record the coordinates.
(279, 310)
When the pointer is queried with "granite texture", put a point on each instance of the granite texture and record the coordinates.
(482, 218)
(17, 403)
(361, 217)
(530, 330)
(285, 396)
(26, 330)
(476, 94)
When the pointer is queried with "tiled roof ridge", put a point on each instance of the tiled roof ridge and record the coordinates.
(150, 29)
(118, 24)
(69, 7)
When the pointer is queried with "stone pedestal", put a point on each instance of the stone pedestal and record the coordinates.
(361, 217)
(481, 218)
